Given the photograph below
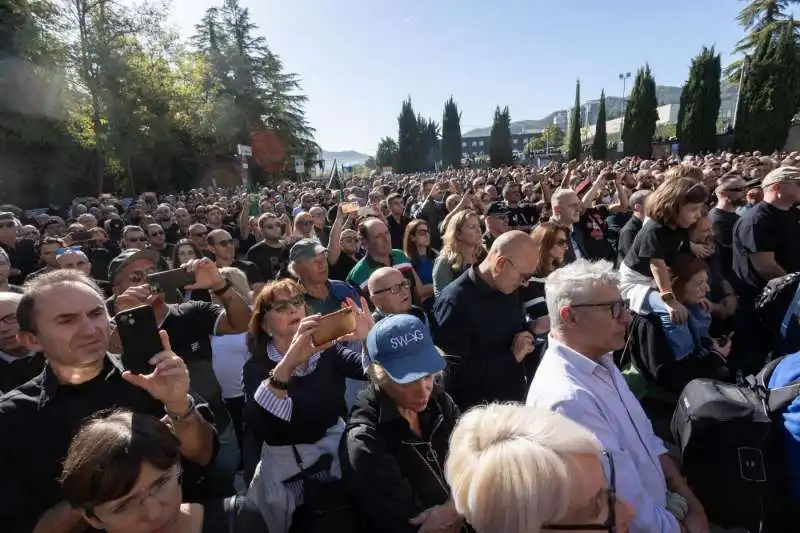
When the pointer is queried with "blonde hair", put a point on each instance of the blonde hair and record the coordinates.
(452, 248)
(511, 468)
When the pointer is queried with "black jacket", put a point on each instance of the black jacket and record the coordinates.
(391, 473)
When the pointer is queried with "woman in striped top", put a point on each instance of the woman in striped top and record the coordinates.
(551, 241)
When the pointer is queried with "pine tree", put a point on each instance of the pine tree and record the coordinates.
(451, 135)
(641, 115)
(600, 144)
(428, 136)
(769, 94)
(407, 139)
(574, 147)
(700, 101)
(500, 152)
(386, 154)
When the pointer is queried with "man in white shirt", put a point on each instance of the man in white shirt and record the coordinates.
(577, 377)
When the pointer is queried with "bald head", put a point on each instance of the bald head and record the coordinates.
(384, 278)
(511, 261)
(512, 244)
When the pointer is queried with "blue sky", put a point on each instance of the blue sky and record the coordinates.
(358, 59)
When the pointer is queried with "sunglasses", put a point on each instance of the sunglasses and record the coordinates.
(157, 234)
(617, 308)
(283, 306)
(225, 243)
(138, 239)
(610, 523)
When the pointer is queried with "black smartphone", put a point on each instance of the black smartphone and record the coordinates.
(138, 332)
(80, 236)
(171, 280)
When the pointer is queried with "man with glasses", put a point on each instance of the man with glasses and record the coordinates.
(496, 221)
(222, 245)
(480, 321)
(18, 365)
(577, 377)
(198, 234)
(158, 242)
(270, 255)
(731, 190)
(390, 294)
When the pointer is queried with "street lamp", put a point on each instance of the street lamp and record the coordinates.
(624, 77)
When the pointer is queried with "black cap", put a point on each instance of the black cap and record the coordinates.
(497, 209)
(129, 255)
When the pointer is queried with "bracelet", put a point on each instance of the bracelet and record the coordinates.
(174, 418)
(275, 382)
(224, 289)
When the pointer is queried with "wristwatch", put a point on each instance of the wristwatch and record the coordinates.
(174, 418)
(224, 289)
(667, 297)
(275, 382)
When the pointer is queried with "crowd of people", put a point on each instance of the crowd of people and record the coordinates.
(520, 338)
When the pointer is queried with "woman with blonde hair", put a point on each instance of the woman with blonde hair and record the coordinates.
(517, 469)
(463, 247)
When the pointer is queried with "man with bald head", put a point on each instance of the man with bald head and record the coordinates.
(17, 364)
(479, 321)
(390, 294)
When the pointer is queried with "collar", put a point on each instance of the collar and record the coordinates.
(50, 385)
(553, 219)
(8, 358)
(480, 285)
(374, 262)
(328, 284)
(576, 359)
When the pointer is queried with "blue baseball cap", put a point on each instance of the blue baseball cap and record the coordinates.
(402, 345)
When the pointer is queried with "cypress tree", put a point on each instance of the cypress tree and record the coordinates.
(451, 135)
(500, 152)
(700, 100)
(407, 139)
(641, 115)
(574, 146)
(600, 144)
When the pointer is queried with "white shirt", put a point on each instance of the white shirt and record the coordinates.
(597, 397)
(229, 354)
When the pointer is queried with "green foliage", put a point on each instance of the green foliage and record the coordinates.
(408, 141)
(700, 101)
(641, 115)
(370, 163)
(762, 19)
(386, 154)
(769, 94)
(573, 147)
(451, 135)
(500, 151)
(429, 152)
(600, 143)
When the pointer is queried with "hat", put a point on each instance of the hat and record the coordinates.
(128, 256)
(402, 345)
(305, 249)
(497, 209)
(781, 175)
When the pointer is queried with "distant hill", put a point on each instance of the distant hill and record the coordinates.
(614, 106)
(348, 157)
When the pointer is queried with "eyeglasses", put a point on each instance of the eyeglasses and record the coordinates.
(617, 308)
(203, 235)
(131, 508)
(156, 234)
(283, 306)
(136, 239)
(395, 289)
(523, 277)
(349, 239)
(734, 189)
(610, 523)
(225, 243)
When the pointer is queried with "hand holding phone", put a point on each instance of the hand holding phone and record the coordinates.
(138, 332)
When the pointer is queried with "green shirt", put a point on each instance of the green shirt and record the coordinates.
(367, 265)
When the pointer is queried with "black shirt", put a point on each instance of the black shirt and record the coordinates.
(19, 371)
(24, 258)
(43, 416)
(627, 236)
(533, 297)
(250, 270)
(524, 216)
(764, 228)
(722, 223)
(271, 261)
(397, 230)
(172, 234)
(655, 241)
(592, 226)
(342, 267)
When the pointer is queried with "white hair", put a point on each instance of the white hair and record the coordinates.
(512, 468)
(574, 283)
(559, 194)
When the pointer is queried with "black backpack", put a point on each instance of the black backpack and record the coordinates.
(775, 307)
(730, 439)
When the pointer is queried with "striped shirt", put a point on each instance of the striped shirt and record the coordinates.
(268, 400)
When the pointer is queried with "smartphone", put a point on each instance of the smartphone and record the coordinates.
(138, 332)
(80, 236)
(334, 325)
(349, 207)
(171, 280)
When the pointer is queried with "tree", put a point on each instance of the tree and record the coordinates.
(600, 143)
(700, 101)
(641, 115)
(386, 154)
(500, 152)
(762, 19)
(769, 94)
(370, 163)
(574, 147)
(428, 135)
(408, 142)
(451, 135)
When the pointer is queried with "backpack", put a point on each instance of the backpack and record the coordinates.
(730, 442)
(775, 307)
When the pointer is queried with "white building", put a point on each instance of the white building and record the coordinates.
(667, 114)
